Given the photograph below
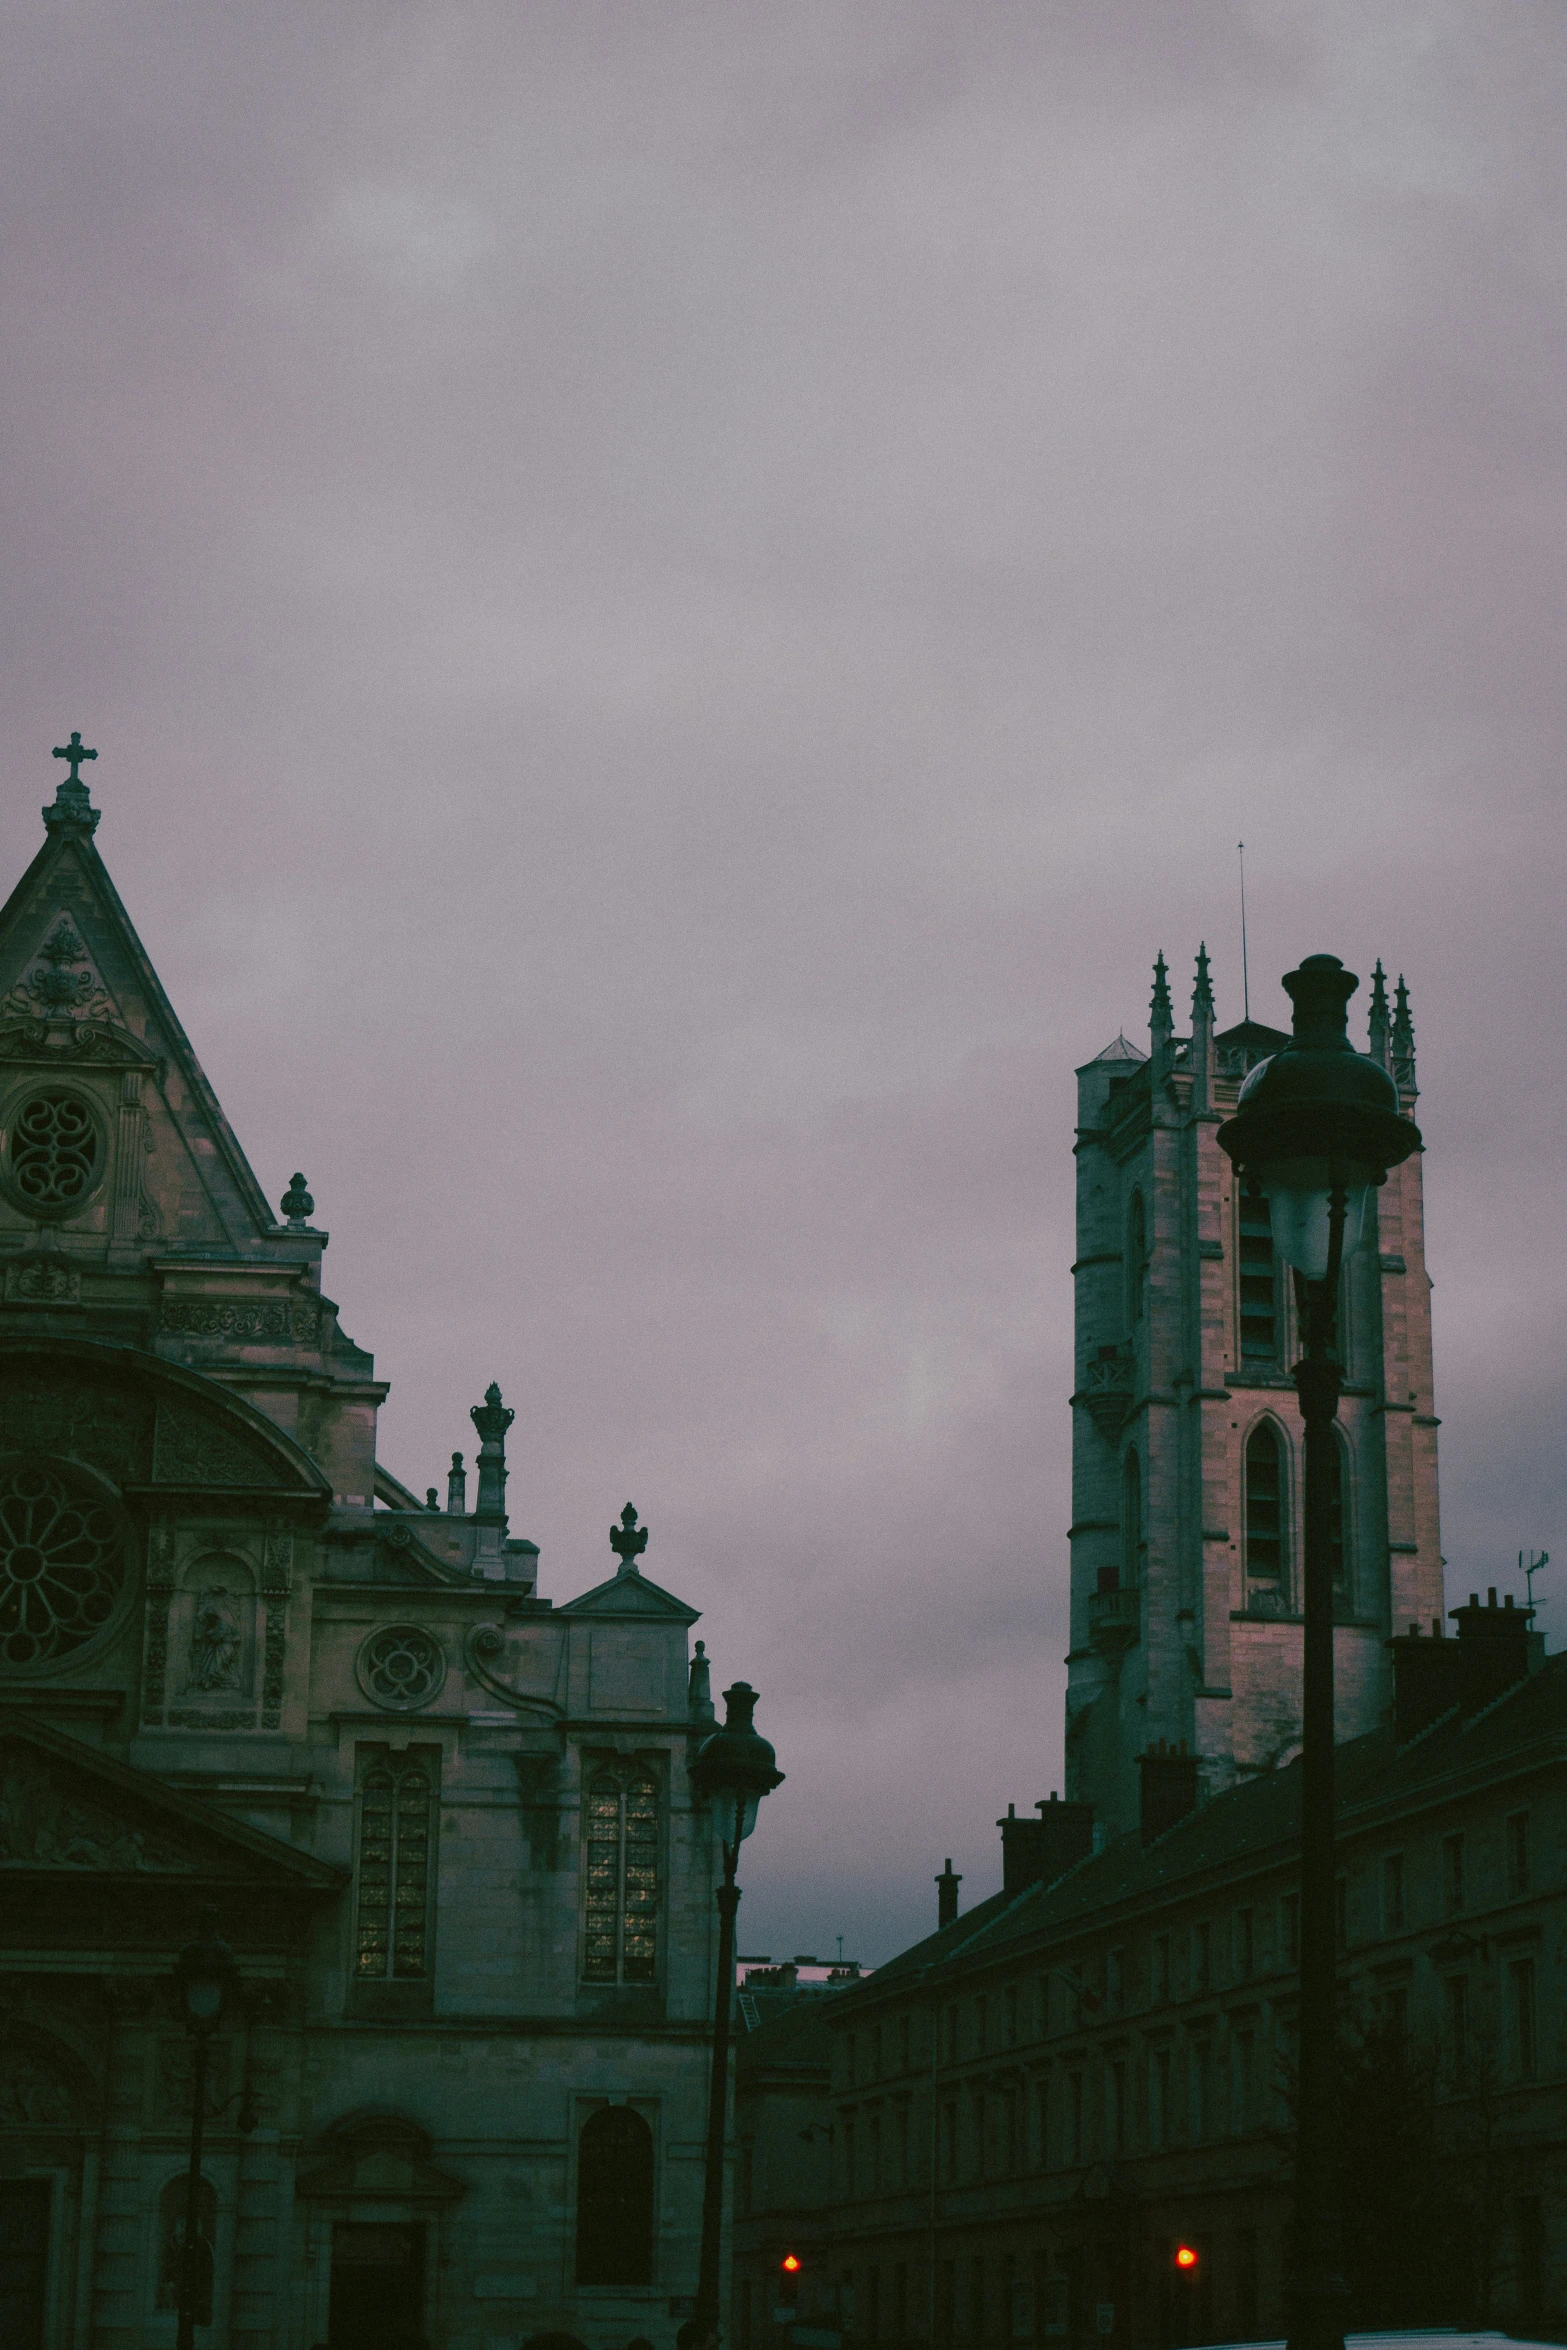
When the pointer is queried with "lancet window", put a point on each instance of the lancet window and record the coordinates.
(1264, 1506)
(1258, 1283)
(396, 1825)
(621, 1921)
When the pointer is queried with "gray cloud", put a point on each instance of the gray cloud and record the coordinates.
(675, 601)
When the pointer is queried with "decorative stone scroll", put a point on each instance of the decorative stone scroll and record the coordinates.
(252, 1321)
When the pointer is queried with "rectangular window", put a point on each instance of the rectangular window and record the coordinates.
(1245, 1945)
(901, 2140)
(1115, 1981)
(1116, 2101)
(1517, 1853)
(900, 2302)
(1259, 1317)
(1393, 1893)
(981, 2020)
(905, 2044)
(1395, 2010)
(1009, 2150)
(397, 1800)
(1158, 2098)
(949, 2034)
(949, 2143)
(1011, 2016)
(1289, 1930)
(1245, 2080)
(976, 2134)
(1452, 1874)
(946, 2303)
(620, 1938)
(873, 2305)
(1246, 2294)
(876, 2054)
(1520, 2017)
(976, 2301)
(850, 2056)
(1159, 1972)
(1042, 2007)
(1074, 2117)
(1340, 1913)
(1455, 2007)
(1202, 1957)
(1042, 2123)
(1201, 2079)
(873, 2151)
(851, 2182)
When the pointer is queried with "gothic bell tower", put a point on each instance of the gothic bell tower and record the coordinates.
(1187, 1500)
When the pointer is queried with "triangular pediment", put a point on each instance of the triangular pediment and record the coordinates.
(78, 994)
(631, 1596)
(68, 1810)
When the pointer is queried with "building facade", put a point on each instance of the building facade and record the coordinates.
(446, 1825)
(1187, 1493)
(1035, 2108)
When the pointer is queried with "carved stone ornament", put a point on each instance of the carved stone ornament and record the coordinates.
(523, 1666)
(187, 1717)
(48, 1823)
(42, 1280)
(197, 1448)
(401, 1667)
(76, 1411)
(1107, 1388)
(35, 2091)
(60, 983)
(248, 1320)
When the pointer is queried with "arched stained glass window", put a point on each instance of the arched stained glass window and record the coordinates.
(615, 2199)
(1265, 1547)
(1131, 1521)
(621, 1922)
(1258, 1285)
(394, 1873)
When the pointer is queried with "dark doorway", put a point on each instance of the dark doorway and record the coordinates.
(377, 2285)
(24, 2262)
(615, 2199)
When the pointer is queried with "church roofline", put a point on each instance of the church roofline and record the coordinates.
(1120, 1048)
(74, 840)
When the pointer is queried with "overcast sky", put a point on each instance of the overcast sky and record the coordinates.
(674, 601)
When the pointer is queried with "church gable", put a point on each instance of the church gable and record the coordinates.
(107, 1122)
(66, 1809)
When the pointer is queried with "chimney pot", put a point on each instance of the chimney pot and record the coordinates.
(1036, 1852)
(1490, 1597)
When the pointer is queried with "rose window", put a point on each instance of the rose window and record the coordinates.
(54, 1150)
(401, 1665)
(62, 1564)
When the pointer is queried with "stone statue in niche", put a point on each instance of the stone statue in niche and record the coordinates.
(214, 1641)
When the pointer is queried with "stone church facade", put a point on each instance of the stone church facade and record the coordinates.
(1187, 1497)
(446, 1825)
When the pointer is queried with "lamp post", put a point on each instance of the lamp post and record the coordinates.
(204, 1973)
(733, 1769)
(1318, 1126)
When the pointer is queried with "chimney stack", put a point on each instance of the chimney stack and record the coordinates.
(1169, 1787)
(947, 1896)
(1431, 1677)
(1036, 1852)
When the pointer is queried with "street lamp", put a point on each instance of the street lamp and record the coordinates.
(1318, 1126)
(733, 1769)
(204, 1974)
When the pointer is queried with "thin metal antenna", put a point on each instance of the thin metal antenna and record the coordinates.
(1245, 974)
(1531, 1570)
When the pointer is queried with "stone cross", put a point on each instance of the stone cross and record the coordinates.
(74, 751)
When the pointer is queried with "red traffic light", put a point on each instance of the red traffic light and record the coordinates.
(1186, 2258)
(789, 2264)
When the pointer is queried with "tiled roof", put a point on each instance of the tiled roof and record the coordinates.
(1253, 1824)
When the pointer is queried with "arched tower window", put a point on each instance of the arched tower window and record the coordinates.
(1136, 1257)
(1258, 1284)
(615, 2199)
(621, 1924)
(1264, 1508)
(1131, 1521)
